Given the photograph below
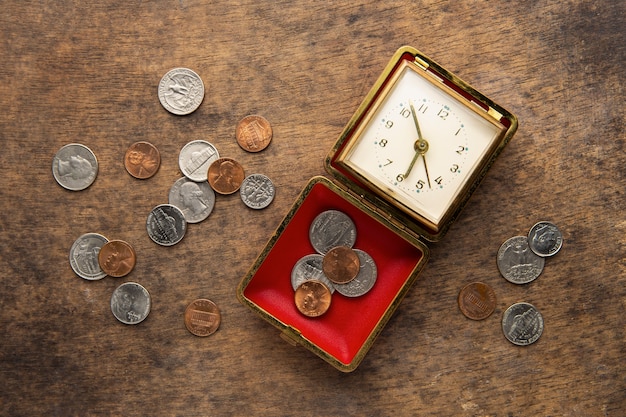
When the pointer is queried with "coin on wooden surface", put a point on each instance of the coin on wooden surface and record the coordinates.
(341, 264)
(181, 91)
(117, 258)
(257, 191)
(74, 167)
(517, 263)
(142, 160)
(331, 228)
(202, 317)
(225, 175)
(84, 256)
(545, 239)
(195, 199)
(166, 225)
(195, 158)
(130, 303)
(254, 133)
(309, 267)
(477, 300)
(312, 298)
(364, 280)
(522, 324)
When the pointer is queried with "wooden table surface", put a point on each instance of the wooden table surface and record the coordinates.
(88, 73)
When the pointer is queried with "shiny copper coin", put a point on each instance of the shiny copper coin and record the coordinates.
(142, 160)
(312, 298)
(225, 175)
(117, 258)
(341, 264)
(202, 317)
(477, 300)
(254, 133)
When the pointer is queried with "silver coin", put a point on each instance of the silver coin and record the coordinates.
(257, 191)
(522, 324)
(181, 91)
(517, 263)
(365, 279)
(75, 167)
(84, 256)
(166, 225)
(195, 199)
(545, 239)
(130, 303)
(309, 267)
(195, 158)
(331, 228)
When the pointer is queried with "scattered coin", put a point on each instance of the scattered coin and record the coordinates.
(181, 91)
(254, 133)
(75, 167)
(522, 324)
(365, 279)
(84, 256)
(517, 263)
(341, 264)
(312, 298)
(142, 160)
(477, 300)
(309, 267)
(202, 317)
(195, 199)
(545, 239)
(166, 225)
(331, 228)
(195, 158)
(130, 303)
(257, 191)
(117, 258)
(225, 175)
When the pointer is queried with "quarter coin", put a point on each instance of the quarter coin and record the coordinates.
(195, 199)
(341, 264)
(477, 300)
(330, 229)
(225, 175)
(142, 160)
(312, 298)
(202, 317)
(195, 158)
(522, 324)
(181, 91)
(84, 256)
(254, 133)
(517, 263)
(545, 239)
(75, 167)
(166, 225)
(309, 267)
(117, 258)
(130, 303)
(257, 191)
(365, 279)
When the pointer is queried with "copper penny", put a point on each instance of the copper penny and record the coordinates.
(117, 258)
(477, 300)
(312, 298)
(142, 160)
(341, 264)
(225, 175)
(202, 317)
(254, 133)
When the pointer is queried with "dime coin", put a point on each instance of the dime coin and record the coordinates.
(181, 91)
(74, 167)
(365, 279)
(225, 175)
(166, 225)
(545, 239)
(195, 199)
(309, 267)
(195, 158)
(312, 298)
(522, 324)
(331, 228)
(202, 317)
(142, 160)
(84, 256)
(477, 300)
(254, 133)
(257, 191)
(130, 303)
(517, 263)
(341, 264)
(117, 258)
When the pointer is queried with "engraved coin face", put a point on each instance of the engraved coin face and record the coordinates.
(331, 228)
(254, 133)
(74, 167)
(545, 239)
(477, 300)
(365, 279)
(195, 158)
(181, 91)
(517, 263)
(225, 175)
(522, 324)
(142, 160)
(257, 191)
(309, 267)
(341, 264)
(84, 256)
(117, 258)
(130, 303)
(202, 317)
(166, 225)
(195, 199)
(312, 298)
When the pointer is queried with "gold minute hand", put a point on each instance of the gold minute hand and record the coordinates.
(420, 146)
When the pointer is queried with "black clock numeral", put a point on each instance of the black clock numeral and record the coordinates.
(420, 184)
(458, 131)
(422, 109)
(460, 149)
(389, 124)
(443, 113)
(382, 143)
(454, 168)
(439, 180)
(389, 162)
(400, 178)
(405, 113)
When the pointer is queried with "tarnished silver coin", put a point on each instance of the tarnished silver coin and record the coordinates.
(181, 91)
(130, 303)
(195, 199)
(75, 167)
(365, 279)
(330, 229)
(257, 191)
(517, 263)
(309, 267)
(84, 256)
(545, 239)
(522, 324)
(195, 158)
(166, 225)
